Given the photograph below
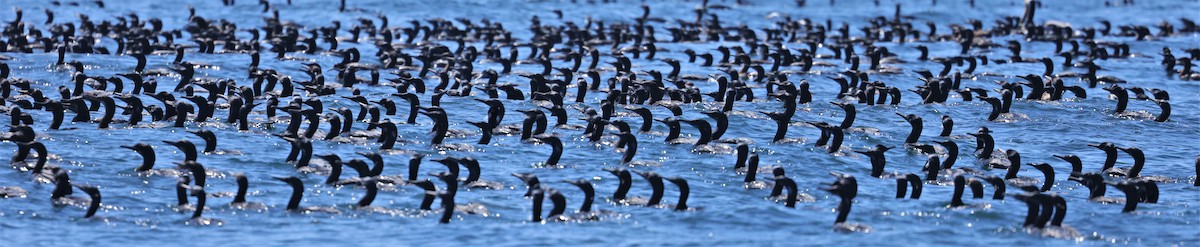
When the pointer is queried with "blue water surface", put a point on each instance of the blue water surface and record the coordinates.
(139, 210)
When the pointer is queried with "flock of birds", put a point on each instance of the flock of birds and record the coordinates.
(575, 60)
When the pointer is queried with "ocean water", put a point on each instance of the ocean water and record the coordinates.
(139, 210)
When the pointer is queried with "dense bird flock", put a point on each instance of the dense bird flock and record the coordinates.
(581, 81)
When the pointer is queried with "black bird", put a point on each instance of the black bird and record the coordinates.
(556, 150)
(846, 188)
(298, 193)
(94, 203)
(239, 198)
(917, 125)
(188, 149)
(210, 139)
(147, 153)
(197, 215)
(684, 191)
(530, 180)
(878, 160)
